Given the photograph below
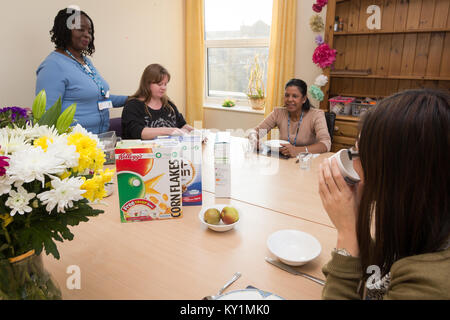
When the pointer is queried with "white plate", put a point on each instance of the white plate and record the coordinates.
(294, 247)
(221, 227)
(249, 294)
(275, 144)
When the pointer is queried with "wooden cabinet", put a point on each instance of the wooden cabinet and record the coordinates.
(345, 133)
(410, 50)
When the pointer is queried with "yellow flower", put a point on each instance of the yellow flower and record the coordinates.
(65, 175)
(42, 142)
(7, 219)
(95, 187)
(91, 157)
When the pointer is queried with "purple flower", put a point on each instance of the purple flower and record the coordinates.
(319, 40)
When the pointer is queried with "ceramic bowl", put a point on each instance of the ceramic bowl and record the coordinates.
(294, 247)
(275, 145)
(221, 227)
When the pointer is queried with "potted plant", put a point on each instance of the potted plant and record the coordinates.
(255, 89)
(49, 172)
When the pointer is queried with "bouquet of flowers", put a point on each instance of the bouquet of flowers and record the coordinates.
(49, 172)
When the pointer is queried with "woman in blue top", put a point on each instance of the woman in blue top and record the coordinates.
(69, 74)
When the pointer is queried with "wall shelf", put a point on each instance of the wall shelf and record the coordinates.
(394, 77)
(344, 33)
(410, 51)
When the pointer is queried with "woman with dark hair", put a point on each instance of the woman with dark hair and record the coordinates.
(149, 112)
(68, 74)
(393, 228)
(304, 127)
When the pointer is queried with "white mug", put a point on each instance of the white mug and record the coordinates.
(345, 166)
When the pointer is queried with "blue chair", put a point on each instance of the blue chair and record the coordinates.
(115, 124)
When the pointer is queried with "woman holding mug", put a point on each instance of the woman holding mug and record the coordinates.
(393, 227)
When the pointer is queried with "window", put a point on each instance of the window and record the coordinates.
(235, 31)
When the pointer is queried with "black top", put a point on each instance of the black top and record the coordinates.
(135, 118)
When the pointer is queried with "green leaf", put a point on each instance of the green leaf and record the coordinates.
(65, 119)
(51, 115)
(39, 105)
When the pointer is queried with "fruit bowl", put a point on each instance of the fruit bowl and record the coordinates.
(221, 227)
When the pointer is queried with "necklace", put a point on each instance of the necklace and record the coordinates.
(289, 129)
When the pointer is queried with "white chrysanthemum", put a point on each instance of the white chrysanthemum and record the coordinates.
(11, 141)
(321, 80)
(37, 131)
(79, 129)
(32, 163)
(18, 201)
(5, 184)
(63, 194)
(61, 149)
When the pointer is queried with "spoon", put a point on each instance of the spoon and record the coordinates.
(229, 283)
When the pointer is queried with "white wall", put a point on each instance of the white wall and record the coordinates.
(305, 69)
(129, 35)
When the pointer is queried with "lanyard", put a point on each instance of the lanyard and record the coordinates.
(91, 73)
(289, 129)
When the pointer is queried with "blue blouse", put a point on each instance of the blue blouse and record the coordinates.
(61, 76)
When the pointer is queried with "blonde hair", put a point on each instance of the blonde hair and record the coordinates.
(153, 73)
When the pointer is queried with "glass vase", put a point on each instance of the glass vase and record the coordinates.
(25, 278)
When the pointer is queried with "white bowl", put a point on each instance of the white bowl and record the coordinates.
(275, 145)
(294, 247)
(221, 227)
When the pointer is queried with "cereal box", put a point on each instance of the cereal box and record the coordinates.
(191, 165)
(222, 165)
(149, 182)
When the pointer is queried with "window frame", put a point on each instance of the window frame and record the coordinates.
(229, 43)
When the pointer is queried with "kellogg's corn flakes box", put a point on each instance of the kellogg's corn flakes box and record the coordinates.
(190, 147)
(149, 182)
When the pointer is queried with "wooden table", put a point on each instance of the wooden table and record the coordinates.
(182, 259)
(274, 183)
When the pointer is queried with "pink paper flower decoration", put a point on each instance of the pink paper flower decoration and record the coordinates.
(317, 8)
(324, 56)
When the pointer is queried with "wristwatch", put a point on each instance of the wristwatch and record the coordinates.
(342, 252)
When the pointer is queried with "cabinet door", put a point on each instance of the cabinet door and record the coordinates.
(345, 129)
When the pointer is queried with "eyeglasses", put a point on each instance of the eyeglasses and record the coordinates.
(353, 153)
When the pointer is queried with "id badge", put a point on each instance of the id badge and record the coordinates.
(104, 104)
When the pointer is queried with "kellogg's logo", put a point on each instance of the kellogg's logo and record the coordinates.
(130, 156)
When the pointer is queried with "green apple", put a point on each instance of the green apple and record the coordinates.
(212, 216)
(229, 215)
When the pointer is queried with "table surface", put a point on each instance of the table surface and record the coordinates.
(274, 183)
(183, 259)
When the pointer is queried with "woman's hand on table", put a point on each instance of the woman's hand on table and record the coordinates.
(341, 202)
(289, 150)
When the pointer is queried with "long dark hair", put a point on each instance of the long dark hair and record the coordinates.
(62, 35)
(303, 88)
(404, 150)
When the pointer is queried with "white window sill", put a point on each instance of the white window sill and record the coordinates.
(236, 108)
